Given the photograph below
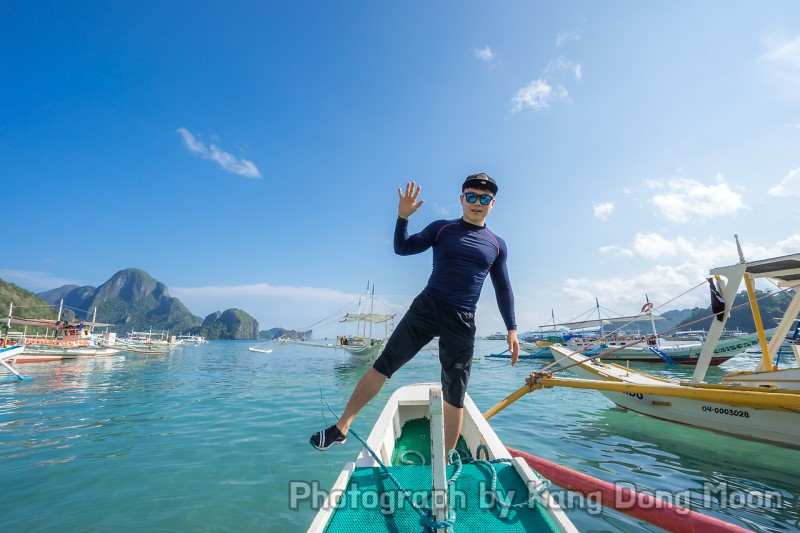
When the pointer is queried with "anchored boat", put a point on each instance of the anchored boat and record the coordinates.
(363, 346)
(61, 339)
(761, 404)
(588, 337)
(403, 465)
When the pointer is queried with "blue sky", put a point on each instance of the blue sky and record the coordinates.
(247, 154)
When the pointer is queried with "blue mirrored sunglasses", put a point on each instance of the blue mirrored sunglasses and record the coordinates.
(472, 197)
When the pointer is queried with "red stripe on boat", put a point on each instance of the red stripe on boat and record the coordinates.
(645, 507)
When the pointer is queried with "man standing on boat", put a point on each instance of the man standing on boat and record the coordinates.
(464, 253)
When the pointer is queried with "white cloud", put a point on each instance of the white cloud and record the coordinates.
(654, 246)
(627, 295)
(616, 250)
(541, 93)
(683, 264)
(557, 65)
(789, 185)
(35, 281)
(242, 167)
(603, 211)
(538, 95)
(487, 56)
(562, 64)
(563, 37)
(686, 200)
(783, 53)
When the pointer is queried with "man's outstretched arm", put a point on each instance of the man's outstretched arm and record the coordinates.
(408, 205)
(505, 301)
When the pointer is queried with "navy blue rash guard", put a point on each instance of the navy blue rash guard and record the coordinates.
(463, 254)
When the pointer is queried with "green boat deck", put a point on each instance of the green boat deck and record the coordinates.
(372, 502)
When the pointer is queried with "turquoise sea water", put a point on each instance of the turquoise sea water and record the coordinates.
(214, 438)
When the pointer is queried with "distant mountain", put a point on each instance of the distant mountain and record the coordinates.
(671, 319)
(131, 299)
(275, 333)
(232, 324)
(56, 295)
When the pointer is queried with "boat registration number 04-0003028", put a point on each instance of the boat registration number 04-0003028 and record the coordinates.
(725, 411)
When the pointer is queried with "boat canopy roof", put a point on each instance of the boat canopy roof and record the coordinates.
(785, 269)
(46, 323)
(366, 317)
(606, 321)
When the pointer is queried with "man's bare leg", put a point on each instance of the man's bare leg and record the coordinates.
(452, 425)
(369, 385)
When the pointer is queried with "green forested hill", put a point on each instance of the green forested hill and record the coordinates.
(275, 333)
(772, 305)
(26, 303)
(229, 324)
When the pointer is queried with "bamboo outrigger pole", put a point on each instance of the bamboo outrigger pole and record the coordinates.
(755, 397)
(508, 400)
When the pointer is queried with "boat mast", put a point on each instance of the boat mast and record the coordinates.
(358, 316)
(766, 357)
(60, 308)
(599, 318)
(8, 323)
(371, 308)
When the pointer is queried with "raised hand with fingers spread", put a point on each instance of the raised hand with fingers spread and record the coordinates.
(408, 202)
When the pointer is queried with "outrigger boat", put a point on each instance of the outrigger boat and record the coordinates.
(762, 404)
(61, 340)
(362, 346)
(403, 465)
(650, 348)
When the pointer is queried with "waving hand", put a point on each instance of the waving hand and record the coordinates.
(408, 202)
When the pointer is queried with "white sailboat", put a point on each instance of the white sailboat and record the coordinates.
(362, 345)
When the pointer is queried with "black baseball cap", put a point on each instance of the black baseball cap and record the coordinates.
(480, 181)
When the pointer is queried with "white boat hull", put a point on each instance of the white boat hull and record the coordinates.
(781, 427)
(366, 353)
(40, 353)
(787, 378)
(9, 353)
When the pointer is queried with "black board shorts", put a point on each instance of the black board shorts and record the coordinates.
(427, 318)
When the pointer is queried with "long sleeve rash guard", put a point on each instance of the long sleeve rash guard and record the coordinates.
(463, 254)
